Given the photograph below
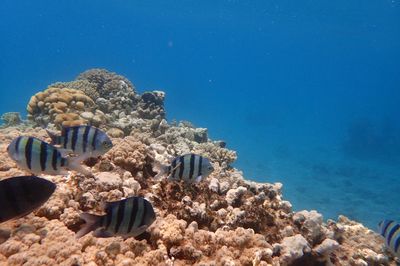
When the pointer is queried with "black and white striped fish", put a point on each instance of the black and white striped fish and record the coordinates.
(189, 167)
(390, 230)
(21, 195)
(85, 141)
(39, 157)
(127, 218)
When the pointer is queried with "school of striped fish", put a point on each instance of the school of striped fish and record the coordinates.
(128, 217)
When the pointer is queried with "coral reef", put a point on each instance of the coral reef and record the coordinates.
(11, 119)
(117, 106)
(59, 106)
(223, 220)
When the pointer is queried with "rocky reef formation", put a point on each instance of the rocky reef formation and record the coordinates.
(100, 98)
(59, 106)
(223, 220)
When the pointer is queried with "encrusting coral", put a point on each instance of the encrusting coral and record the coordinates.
(223, 220)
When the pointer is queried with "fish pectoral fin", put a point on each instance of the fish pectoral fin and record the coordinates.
(109, 204)
(160, 169)
(74, 165)
(138, 231)
(170, 177)
(55, 138)
(83, 157)
(198, 179)
(176, 166)
(101, 232)
(65, 152)
(142, 228)
(91, 223)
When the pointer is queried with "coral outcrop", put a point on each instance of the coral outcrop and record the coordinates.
(59, 106)
(11, 119)
(223, 220)
(116, 102)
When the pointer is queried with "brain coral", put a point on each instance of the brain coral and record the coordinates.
(59, 106)
(90, 89)
(104, 80)
(116, 93)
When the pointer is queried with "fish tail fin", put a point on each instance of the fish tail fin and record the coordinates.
(74, 164)
(160, 169)
(92, 222)
(55, 139)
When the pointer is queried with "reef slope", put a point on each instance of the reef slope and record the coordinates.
(223, 220)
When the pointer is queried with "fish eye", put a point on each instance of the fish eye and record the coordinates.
(107, 144)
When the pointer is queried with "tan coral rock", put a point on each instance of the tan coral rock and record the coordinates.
(60, 106)
(87, 87)
(223, 156)
(108, 181)
(80, 105)
(129, 154)
(11, 247)
(261, 256)
(170, 230)
(131, 187)
(310, 223)
(292, 248)
(55, 244)
(70, 216)
(87, 115)
(115, 133)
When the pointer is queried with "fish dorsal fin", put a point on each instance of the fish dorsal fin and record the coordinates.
(110, 204)
(63, 131)
(190, 154)
(55, 139)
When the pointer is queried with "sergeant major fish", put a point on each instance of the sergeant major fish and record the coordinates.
(390, 230)
(39, 157)
(85, 141)
(127, 218)
(21, 195)
(189, 167)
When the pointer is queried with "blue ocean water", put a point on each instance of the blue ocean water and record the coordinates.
(307, 92)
